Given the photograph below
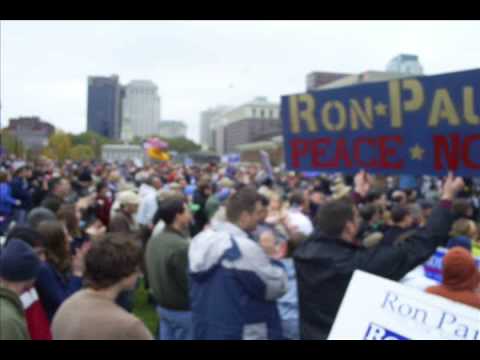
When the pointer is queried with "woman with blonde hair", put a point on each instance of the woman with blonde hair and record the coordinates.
(464, 233)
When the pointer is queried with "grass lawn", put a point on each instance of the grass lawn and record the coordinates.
(145, 311)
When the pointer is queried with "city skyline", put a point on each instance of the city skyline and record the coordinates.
(197, 67)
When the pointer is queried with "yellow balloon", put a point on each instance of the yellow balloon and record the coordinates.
(157, 154)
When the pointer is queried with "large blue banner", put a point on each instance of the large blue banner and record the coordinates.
(419, 125)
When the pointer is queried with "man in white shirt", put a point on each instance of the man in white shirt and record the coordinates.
(148, 200)
(296, 215)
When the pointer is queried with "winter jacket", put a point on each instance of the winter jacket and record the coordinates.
(167, 268)
(37, 320)
(324, 267)
(234, 286)
(54, 288)
(12, 317)
(395, 233)
(7, 201)
(20, 191)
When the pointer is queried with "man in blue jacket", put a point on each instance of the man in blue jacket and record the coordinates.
(21, 191)
(7, 203)
(234, 284)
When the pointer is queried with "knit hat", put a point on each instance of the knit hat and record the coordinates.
(18, 262)
(459, 270)
(128, 198)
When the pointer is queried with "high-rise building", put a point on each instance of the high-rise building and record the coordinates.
(141, 109)
(254, 121)
(104, 106)
(207, 121)
(170, 129)
(405, 64)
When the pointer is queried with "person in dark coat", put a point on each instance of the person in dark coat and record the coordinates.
(326, 261)
(61, 274)
(21, 191)
(403, 224)
(200, 198)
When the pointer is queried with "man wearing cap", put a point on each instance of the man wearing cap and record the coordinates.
(19, 267)
(124, 218)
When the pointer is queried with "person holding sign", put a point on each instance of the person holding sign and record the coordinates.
(326, 261)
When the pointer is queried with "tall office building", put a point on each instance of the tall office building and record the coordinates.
(257, 120)
(141, 109)
(405, 64)
(207, 121)
(104, 106)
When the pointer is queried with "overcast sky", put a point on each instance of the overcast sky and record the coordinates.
(200, 64)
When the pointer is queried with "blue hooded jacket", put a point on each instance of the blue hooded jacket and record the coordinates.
(234, 287)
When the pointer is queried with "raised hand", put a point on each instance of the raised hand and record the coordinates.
(363, 182)
(452, 186)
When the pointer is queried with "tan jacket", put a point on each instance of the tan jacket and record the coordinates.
(87, 316)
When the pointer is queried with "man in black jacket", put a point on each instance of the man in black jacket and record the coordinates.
(326, 261)
(200, 198)
(403, 224)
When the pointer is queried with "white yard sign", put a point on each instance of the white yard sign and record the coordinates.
(375, 308)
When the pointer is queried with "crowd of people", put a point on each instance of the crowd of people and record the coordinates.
(225, 251)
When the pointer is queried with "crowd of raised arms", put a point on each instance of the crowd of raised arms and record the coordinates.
(225, 251)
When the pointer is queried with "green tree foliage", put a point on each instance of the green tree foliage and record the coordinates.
(182, 145)
(12, 144)
(81, 152)
(93, 140)
(59, 146)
